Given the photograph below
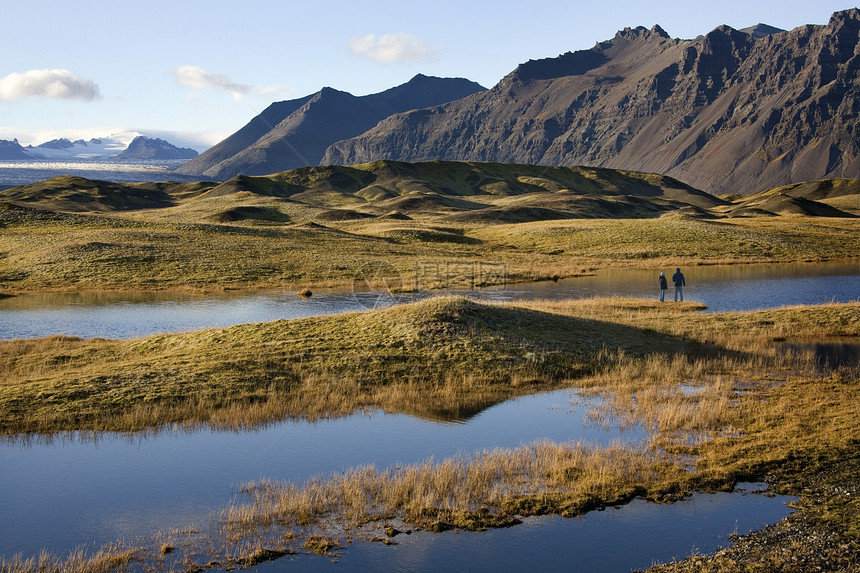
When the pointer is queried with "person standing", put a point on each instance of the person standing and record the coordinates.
(663, 286)
(680, 283)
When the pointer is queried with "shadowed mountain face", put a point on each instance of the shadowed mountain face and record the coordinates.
(729, 112)
(12, 150)
(296, 133)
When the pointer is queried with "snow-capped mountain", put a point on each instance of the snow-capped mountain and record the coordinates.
(60, 149)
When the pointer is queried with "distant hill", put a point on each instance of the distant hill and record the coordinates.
(145, 148)
(729, 112)
(69, 193)
(296, 133)
(452, 193)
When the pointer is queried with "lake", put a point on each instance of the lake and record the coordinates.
(130, 315)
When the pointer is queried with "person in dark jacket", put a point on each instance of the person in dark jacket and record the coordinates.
(663, 286)
(680, 283)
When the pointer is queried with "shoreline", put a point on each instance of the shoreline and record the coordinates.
(346, 285)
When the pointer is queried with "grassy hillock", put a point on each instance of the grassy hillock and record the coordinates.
(76, 194)
(463, 353)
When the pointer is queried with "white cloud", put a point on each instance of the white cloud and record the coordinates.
(53, 84)
(195, 77)
(390, 48)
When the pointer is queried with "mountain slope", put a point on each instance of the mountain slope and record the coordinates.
(730, 112)
(296, 133)
(12, 150)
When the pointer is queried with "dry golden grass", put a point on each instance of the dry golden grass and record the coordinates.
(294, 245)
(440, 358)
(469, 491)
(110, 559)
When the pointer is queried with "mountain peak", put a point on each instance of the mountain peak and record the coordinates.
(843, 17)
(761, 30)
(296, 133)
(145, 148)
(658, 31)
(640, 32)
(731, 111)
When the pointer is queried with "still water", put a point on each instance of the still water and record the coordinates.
(129, 315)
(636, 535)
(78, 491)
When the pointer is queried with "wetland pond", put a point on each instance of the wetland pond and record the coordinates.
(87, 491)
(83, 491)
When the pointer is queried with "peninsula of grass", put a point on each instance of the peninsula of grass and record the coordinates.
(441, 357)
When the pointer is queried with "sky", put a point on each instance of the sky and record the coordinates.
(193, 72)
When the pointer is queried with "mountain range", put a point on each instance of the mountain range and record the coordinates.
(141, 148)
(107, 148)
(733, 111)
(730, 112)
(297, 132)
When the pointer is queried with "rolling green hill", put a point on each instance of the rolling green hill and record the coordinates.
(314, 226)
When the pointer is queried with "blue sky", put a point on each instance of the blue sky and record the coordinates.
(196, 71)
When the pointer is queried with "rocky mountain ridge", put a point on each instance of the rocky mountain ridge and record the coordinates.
(296, 133)
(729, 112)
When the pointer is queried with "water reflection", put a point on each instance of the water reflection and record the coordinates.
(632, 536)
(131, 314)
(64, 492)
(830, 355)
(135, 314)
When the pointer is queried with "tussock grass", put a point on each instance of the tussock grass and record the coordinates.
(284, 242)
(469, 491)
(109, 559)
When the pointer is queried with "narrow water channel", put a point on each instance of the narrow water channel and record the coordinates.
(130, 315)
(634, 536)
